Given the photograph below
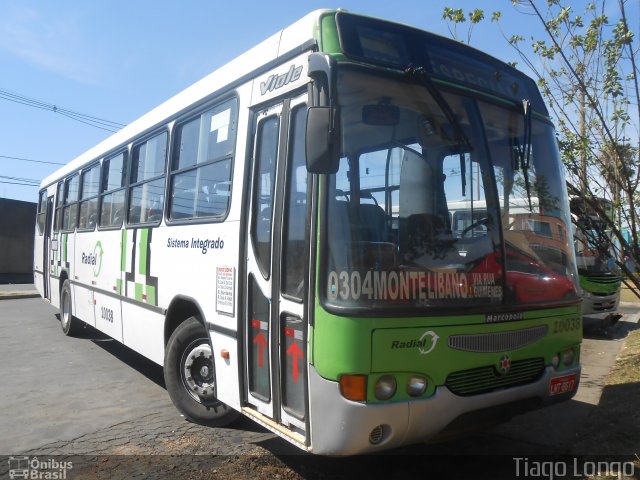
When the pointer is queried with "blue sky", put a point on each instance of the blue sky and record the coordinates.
(118, 59)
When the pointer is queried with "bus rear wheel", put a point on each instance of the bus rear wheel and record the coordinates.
(71, 326)
(190, 376)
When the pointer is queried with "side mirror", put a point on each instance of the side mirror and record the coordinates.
(322, 141)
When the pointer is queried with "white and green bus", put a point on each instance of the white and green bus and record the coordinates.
(600, 277)
(277, 237)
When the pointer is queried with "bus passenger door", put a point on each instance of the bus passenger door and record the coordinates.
(46, 249)
(277, 263)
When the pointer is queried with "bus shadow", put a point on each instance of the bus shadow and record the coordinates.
(407, 462)
(123, 353)
(613, 427)
(598, 329)
(149, 369)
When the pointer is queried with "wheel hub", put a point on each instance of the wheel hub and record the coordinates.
(198, 372)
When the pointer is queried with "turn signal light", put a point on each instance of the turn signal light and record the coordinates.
(354, 387)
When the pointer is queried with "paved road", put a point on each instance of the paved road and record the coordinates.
(88, 395)
(92, 395)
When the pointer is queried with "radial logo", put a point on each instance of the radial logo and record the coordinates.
(425, 344)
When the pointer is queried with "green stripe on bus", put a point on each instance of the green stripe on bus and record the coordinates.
(139, 291)
(142, 251)
(151, 295)
(123, 251)
(119, 286)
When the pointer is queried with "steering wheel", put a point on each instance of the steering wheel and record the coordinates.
(477, 223)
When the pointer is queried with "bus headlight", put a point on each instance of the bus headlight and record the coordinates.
(385, 387)
(555, 361)
(567, 357)
(417, 385)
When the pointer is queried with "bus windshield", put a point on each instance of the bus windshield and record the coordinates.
(592, 256)
(427, 193)
(592, 238)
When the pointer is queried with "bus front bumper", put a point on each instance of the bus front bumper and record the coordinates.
(594, 305)
(343, 427)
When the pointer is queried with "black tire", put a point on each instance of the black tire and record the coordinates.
(189, 375)
(71, 326)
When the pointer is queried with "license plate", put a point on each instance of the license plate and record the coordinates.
(564, 384)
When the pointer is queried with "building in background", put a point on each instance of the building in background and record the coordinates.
(17, 221)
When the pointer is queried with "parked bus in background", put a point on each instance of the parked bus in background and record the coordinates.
(600, 277)
(278, 237)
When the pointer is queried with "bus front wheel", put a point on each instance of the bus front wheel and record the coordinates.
(71, 326)
(190, 376)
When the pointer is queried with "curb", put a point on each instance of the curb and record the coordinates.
(18, 295)
(630, 304)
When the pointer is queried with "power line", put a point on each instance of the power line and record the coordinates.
(31, 160)
(25, 182)
(90, 120)
(19, 183)
(19, 179)
(12, 96)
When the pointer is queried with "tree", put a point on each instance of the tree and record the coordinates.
(586, 67)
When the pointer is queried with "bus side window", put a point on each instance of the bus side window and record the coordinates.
(42, 211)
(112, 191)
(202, 164)
(57, 225)
(89, 198)
(70, 209)
(146, 197)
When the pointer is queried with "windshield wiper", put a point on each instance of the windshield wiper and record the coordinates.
(422, 74)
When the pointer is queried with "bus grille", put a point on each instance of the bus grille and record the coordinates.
(497, 341)
(610, 283)
(604, 279)
(487, 379)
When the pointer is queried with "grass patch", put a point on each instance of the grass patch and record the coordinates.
(627, 367)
